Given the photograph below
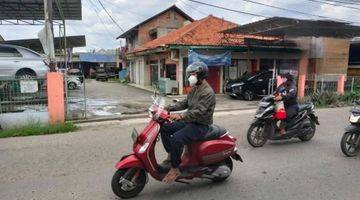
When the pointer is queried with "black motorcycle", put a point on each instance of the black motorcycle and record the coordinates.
(265, 126)
(350, 141)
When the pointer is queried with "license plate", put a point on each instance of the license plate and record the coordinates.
(134, 135)
(354, 119)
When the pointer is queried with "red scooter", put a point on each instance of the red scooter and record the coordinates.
(209, 158)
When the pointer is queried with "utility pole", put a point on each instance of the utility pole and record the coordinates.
(49, 32)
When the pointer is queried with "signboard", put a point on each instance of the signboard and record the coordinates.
(29, 86)
(221, 59)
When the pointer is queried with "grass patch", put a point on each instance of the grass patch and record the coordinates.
(38, 129)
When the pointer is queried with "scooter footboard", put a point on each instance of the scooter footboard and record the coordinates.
(129, 161)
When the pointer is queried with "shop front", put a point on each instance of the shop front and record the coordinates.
(216, 62)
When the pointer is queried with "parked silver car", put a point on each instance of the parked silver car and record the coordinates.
(16, 61)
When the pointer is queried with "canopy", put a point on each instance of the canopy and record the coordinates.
(99, 58)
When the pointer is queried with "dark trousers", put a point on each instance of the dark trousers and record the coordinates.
(177, 134)
(291, 112)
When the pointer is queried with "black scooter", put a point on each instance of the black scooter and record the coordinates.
(265, 126)
(350, 141)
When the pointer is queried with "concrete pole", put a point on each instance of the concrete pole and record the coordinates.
(49, 32)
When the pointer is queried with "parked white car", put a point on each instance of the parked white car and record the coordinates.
(73, 82)
(16, 61)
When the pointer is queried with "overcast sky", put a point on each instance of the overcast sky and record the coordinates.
(101, 32)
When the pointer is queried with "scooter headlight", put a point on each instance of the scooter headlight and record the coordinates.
(354, 118)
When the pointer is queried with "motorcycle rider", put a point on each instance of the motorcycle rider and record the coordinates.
(191, 125)
(287, 93)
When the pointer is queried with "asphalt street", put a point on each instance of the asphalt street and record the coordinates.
(80, 165)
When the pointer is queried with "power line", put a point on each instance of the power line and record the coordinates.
(295, 11)
(110, 16)
(123, 9)
(190, 6)
(345, 2)
(101, 21)
(332, 4)
(228, 9)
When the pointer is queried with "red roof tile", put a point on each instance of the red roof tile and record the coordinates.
(201, 32)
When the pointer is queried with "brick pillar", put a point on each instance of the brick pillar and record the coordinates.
(55, 92)
(301, 86)
(341, 84)
(303, 66)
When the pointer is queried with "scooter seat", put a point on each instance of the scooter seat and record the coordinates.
(214, 133)
(305, 106)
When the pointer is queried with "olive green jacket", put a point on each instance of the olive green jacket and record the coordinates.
(200, 105)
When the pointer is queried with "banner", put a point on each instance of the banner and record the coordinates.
(222, 59)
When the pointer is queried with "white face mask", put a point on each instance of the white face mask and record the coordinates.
(192, 80)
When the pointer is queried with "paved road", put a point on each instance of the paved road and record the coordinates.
(80, 165)
(107, 99)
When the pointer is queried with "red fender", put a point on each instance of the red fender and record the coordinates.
(129, 161)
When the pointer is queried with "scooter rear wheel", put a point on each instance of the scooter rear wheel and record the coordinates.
(256, 135)
(127, 185)
(310, 135)
(348, 144)
(229, 163)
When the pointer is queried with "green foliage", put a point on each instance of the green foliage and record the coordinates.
(38, 129)
(332, 99)
(350, 97)
(326, 98)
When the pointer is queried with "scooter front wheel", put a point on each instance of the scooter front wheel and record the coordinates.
(349, 144)
(256, 135)
(127, 183)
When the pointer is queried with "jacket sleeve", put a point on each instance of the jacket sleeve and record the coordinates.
(291, 94)
(206, 101)
(181, 105)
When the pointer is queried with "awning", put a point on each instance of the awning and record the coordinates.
(34, 44)
(97, 58)
(34, 10)
(222, 59)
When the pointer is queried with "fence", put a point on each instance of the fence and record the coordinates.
(320, 83)
(352, 84)
(330, 83)
(75, 97)
(19, 95)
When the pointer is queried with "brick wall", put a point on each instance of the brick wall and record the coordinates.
(170, 20)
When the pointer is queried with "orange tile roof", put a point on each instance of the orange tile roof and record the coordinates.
(201, 32)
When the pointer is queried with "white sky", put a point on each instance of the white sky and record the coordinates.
(101, 32)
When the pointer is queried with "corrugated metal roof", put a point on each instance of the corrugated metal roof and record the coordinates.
(281, 26)
(35, 44)
(34, 10)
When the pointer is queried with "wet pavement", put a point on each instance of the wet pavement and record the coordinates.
(113, 99)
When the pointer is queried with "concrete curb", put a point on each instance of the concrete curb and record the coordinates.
(139, 116)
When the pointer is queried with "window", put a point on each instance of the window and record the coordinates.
(9, 52)
(153, 34)
(237, 69)
(171, 71)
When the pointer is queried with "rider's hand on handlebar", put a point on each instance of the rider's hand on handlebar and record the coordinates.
(278, 98)
(175, 117)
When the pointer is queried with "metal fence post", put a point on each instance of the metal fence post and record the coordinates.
(322, 84)
(352, 84)
(85, 106)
